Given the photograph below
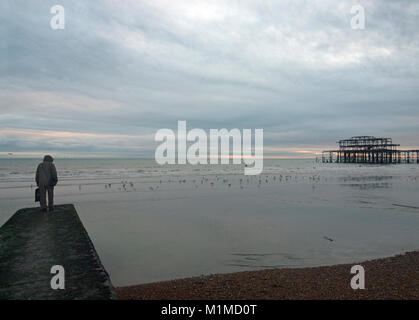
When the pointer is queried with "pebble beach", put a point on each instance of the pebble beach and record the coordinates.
(394, 277)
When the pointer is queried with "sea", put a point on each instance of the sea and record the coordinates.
(153, 223)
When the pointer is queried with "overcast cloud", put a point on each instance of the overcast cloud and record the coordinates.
(121, 70)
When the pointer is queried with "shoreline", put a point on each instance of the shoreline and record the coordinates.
(395, 277)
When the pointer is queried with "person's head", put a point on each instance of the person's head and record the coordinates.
(48, 158)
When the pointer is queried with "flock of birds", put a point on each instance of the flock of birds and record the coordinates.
(259, 181)
(229, 182)
(125, 186)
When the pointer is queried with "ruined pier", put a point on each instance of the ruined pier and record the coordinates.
(369, 149)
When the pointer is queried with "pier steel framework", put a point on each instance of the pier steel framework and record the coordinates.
(369, 149)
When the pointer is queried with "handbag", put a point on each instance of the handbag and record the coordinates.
(37, 195)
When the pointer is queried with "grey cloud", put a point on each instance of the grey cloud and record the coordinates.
(294, 68)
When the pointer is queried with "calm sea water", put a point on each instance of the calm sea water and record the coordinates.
(152, 223)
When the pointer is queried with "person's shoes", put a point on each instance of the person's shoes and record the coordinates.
(43, 209)
(51, 209)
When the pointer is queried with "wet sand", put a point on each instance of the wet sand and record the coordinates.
(388, 278)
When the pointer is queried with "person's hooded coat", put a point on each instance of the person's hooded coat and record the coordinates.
(46, 173)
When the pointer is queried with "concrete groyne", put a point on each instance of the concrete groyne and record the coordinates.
(32, 242)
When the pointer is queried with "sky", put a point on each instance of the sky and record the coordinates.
(122, 69)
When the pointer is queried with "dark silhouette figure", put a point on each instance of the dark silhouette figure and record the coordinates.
(46, 179)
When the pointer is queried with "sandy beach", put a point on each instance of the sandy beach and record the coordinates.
(394, 277)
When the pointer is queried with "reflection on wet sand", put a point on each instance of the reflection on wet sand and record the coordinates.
(366, 186)
(263, 260)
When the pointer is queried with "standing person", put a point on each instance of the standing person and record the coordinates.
(46, 179)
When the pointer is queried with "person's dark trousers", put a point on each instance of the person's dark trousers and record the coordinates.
(43, 190)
